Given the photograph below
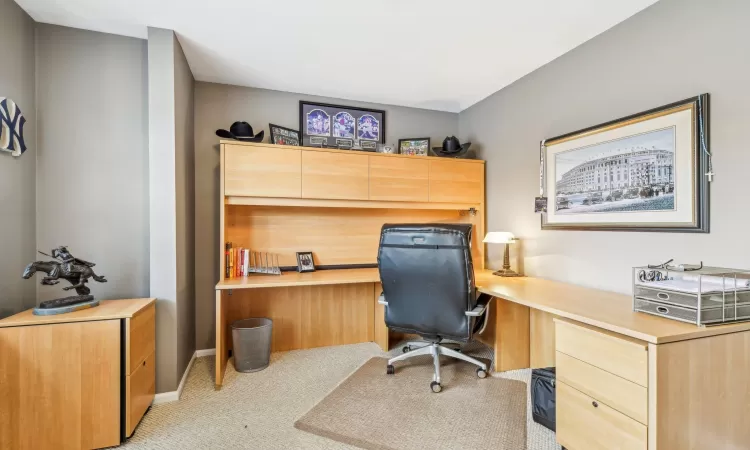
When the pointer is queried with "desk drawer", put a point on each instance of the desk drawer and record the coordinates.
(583, 423)
(140, 338)
(620, 355)
(625, 396)
(140, 388)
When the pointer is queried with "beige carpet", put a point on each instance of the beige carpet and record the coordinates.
(258, 410)
(376, 411)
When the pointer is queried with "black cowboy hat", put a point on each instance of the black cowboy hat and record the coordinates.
(241, 131)
(452, 148)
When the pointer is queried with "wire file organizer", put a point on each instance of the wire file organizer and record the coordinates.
(701, 295)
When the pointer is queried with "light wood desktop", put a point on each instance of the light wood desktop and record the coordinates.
(626, 380)
(80, 380)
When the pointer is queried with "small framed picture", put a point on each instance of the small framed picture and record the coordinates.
(283, 136)
(305, 262)
(414, 146)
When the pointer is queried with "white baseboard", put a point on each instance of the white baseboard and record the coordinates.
(206, 352)
(173, 396)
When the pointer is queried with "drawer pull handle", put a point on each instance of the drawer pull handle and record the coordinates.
(596, 405)
(662, 309)
(144, 363)
(663, 295)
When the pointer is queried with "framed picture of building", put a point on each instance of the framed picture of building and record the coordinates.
(645, 172)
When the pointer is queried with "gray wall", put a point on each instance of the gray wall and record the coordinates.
(673, 50)
(217, 106)
(184, 88)
(170, 108)
(92, 158)
(17, 174)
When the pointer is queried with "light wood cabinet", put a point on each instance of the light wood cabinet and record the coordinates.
(140, 338)
(585, 423)
(140, 388)
(262, 171)
(625, 357)
(335, 176)
(625, 396)
(61, 377)
(399, 179)
(454, 181)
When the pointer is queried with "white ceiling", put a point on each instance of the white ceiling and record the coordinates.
(436, 54)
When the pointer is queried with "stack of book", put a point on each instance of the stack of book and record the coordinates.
(240, 262)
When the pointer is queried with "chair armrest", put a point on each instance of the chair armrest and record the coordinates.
(480, 307)
(381, 300)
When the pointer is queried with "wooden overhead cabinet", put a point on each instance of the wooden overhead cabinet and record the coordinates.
(262, 171)
(454, 181)
(336, 176)
(399, 179)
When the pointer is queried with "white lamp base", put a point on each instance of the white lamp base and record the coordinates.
(506, 273)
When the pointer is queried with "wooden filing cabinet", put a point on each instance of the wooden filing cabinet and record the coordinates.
(335, 175)
(602, 390)
(67, 381)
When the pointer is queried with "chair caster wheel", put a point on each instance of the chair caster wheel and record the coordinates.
(481, 373)
(436, 387)
(390, 370)
(406, 349)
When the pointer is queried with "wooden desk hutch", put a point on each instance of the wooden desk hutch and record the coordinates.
(282, 200)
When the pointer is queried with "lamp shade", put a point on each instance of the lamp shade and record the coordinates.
(499, 237)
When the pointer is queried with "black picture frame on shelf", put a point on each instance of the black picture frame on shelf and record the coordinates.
(323, 124)
(414, 146)
(305, 262)
(283, 136)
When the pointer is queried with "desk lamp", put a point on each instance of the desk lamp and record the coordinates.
(502, 237)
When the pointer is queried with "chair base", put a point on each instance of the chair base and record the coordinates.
(436, 349)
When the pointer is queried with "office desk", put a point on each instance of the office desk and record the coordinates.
(656, 383)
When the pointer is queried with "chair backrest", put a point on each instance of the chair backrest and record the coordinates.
(428, 278)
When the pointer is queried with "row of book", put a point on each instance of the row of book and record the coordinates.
(240, 262)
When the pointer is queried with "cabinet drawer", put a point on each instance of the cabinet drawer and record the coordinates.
(262, 171)
(453, 181)
(398, 179)
(140, 331)
(334, 176)
(625, 396)
(583, 423)
(140, 387)
(620, 355)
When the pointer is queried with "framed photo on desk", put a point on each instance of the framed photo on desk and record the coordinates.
(305, 262)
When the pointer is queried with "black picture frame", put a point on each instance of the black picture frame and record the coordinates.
(278, 139)
(331, 110)
(699, 179)
(427, 152)
(305, 262)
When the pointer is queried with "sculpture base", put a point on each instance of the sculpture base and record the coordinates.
(65, 305)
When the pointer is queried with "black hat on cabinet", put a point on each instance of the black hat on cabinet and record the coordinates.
(241, 131)
(452, 148)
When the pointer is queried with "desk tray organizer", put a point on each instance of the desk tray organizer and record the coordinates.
(710, 296)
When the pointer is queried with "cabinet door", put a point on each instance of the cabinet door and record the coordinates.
(399, 179)
(334, 176)
(454, 181)
(262, 171)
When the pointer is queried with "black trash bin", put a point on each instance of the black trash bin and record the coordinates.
(543, 397)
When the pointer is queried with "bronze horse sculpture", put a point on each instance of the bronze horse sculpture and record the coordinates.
(78, 277)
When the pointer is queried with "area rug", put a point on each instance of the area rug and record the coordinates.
(376, 411)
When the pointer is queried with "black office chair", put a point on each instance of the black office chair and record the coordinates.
(428, 289)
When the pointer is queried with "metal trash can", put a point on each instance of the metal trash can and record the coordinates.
(252, 344)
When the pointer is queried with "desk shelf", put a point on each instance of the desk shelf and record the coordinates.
(288, 279)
